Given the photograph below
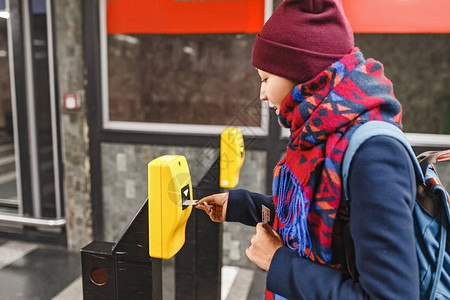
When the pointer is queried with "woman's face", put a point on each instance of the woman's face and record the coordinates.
(274, 89)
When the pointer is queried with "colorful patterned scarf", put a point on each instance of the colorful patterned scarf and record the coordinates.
(322, 114)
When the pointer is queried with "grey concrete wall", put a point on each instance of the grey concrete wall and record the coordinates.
(74, 128)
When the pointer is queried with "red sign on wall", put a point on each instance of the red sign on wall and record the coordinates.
(398, 16)
(184, 16)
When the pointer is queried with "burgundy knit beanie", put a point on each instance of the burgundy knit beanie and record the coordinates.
(302, 38)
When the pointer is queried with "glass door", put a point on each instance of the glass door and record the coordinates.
(9, 166)
(29, 149)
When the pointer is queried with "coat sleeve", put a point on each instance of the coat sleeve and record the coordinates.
(245, 207)
(382, 191)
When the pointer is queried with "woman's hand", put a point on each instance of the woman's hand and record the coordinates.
(215, 206)
(265, 243)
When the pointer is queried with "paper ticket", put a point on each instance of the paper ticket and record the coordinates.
(265, 215)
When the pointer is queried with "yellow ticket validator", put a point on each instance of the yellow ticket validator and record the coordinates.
(169, 183)
(232, 154)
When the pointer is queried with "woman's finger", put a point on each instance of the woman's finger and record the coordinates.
(207, 207)
(208, 199)
(274, 231)
(259, 227)
(247, 252)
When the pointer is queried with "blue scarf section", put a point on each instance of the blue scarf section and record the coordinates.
(293, 211)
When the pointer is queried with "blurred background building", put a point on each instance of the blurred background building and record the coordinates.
(93, 90)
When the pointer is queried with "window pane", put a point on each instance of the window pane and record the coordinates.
(43, 116)
(8, 188)
(419, 67)
(187, 79)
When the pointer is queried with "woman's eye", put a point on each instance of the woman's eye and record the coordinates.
(263, 80)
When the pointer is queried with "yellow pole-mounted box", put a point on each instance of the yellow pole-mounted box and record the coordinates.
(232, 156)
(169, 183)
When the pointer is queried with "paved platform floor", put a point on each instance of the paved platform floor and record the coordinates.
(30, 271)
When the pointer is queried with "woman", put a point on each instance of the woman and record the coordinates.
(323, 89)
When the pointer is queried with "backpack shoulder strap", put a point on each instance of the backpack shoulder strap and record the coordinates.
(365, 132)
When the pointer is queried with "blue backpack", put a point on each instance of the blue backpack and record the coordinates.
(431, 212)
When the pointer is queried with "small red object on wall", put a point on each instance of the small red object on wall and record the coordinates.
(72, 101)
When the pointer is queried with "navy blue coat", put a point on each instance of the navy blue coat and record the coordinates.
(382, 191)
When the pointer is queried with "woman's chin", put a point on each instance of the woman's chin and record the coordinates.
(276, 109)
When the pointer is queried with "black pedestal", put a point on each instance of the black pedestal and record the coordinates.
(123, 270)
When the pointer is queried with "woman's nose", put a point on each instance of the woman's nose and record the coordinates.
(262, 93)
